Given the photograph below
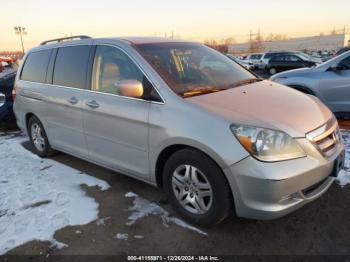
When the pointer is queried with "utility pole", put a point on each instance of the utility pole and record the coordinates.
(21, 31)
(253, 43)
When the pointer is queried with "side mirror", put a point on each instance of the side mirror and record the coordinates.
(130, 88)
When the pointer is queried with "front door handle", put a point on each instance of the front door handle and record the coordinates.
(93, 104)
(73, 100)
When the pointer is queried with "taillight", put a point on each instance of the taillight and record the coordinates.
(13, 94)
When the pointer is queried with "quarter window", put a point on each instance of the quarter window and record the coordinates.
(35, 66)
(71, 66)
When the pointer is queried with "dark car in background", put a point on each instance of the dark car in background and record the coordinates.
(6, 100)
(342, 50)
(284, 62)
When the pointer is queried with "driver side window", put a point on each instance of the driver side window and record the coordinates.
(110, 67)
(346, 63)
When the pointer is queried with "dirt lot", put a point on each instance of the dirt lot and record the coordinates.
(322, 227)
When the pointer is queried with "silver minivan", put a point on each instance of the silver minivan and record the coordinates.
(215, 138)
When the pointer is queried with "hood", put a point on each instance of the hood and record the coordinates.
(294, 72)
(269, 105)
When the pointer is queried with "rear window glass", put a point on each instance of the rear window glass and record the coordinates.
(71, 66)
(35, 66)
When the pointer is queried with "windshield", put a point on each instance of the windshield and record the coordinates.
(194, 69)
(255, 56)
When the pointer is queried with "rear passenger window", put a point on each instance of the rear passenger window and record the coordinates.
(35, 66)
(71, 66)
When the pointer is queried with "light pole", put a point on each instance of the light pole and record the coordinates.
(19, 30)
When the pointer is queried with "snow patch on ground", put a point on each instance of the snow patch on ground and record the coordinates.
(143, 208)
(39, 196)
(121, 236)
(102, 221)
(344, 175)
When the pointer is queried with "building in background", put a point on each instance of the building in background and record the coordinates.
(312, 43)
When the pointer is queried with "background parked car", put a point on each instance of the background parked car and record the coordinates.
(6, 101)
(342, 50)
(279, 63)
(254, 59)
(265, 58)
(6, 61)
(330, 82)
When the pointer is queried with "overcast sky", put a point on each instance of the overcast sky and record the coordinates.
(188, 19)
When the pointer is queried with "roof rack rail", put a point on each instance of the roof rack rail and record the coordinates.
(66, 38)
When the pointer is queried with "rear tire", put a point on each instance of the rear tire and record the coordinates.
(38, 138)
(196, 188)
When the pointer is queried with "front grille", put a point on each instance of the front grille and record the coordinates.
(326, 138)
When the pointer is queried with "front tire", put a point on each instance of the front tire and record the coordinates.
(197, 188)
(273, 71)
(38, 138)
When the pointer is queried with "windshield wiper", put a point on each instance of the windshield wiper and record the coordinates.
(200, 92)
(213, 90)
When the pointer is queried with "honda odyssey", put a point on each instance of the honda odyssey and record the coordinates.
(215, 138)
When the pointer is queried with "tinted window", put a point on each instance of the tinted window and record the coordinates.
(35, 66)
(71, 66)
(278, 58)
(346, 63)
(267, 56)
(343, 50)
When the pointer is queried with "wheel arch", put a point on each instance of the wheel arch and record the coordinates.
(27, 117)
(303, 89)
(167, 151)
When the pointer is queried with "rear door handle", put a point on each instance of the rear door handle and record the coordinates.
(73, 100)
(93, 104)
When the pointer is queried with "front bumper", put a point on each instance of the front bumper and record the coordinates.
(272, 190)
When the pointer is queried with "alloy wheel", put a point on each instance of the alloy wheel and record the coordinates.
(38, 137)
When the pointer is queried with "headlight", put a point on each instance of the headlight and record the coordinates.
(267, 144)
